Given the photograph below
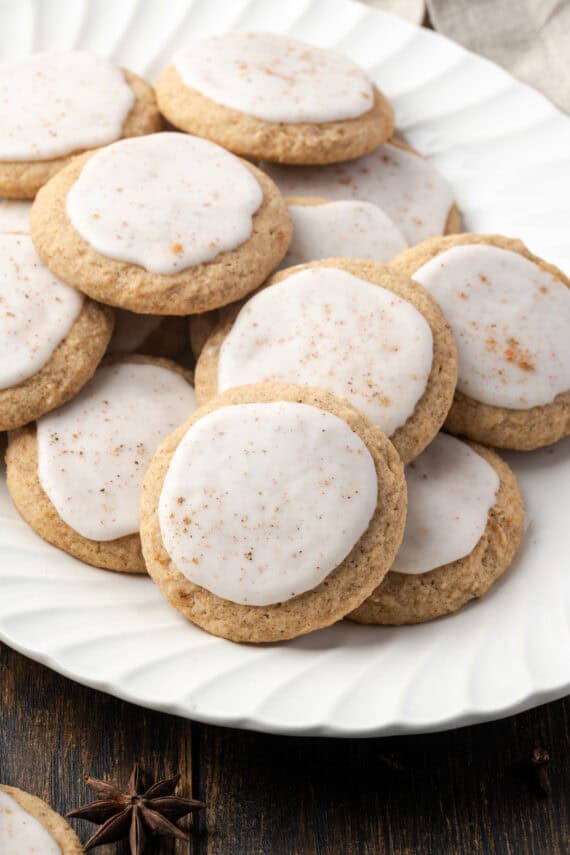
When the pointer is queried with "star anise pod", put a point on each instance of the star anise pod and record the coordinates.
(135, 811)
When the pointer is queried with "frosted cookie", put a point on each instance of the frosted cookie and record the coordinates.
(200, 327)
(55, 105)
(346, 229)
(351, 327)
(463, 529)
(155, 335)
(165, 224)
(14, 216)
(51, 337)
(76, 476)
(271, 512)
(28, 825)
(268, 95)
(394, 177)
(510, 313)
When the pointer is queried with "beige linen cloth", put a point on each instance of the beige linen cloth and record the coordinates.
(530, 38)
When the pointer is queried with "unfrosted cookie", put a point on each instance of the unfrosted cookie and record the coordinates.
(76, 476)
(346, 229)
(464, 527)
(55, 105)
(28, 825)
(51, 337)
(200, 327)
(395, 177)
(351, 327)
(155, 335)
(164, 224)
(510, 313)
(15, 215)
(271, 512)
(270, 96)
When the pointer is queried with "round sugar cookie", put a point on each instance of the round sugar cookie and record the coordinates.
(351, 327)
(463, 529)
(165, 224)
(271, 511)
(510, 314)
(56, 105)
(28, 825)
(76, 475)
(271, 96)
(395, 177)
(51, 336)
(323, 228)
(153, 335)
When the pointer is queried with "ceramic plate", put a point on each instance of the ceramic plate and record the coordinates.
(506, 152)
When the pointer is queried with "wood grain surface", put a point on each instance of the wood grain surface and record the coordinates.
(464, 791)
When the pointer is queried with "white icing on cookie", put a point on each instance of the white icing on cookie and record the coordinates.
(165, 201)
(451, 490)
(37, 310)
(262, 501)
(511, 322)
(52, 104)
(342, 230)
(132, 330)
(276, 78)
(14, 215)
(21, 833)
(407, 187)
(94, 451)
(327, 328)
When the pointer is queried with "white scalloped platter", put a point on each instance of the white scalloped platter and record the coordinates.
(506, 152)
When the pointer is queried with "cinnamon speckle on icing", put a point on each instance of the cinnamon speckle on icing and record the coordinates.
(512, 332)
(405, 186)
(325, 327)
(173, 211)
(21, 833)
(275, 77)
(253, 504)
(93, 452)
(62, 103)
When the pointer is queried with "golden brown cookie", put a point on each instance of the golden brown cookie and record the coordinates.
(517, 362)
(432, 406)
(56, 826)
(122, 554)
(320, 606)
(227, 277)
(22, 179)
(71, 365)
(270, 96)
(407, 599)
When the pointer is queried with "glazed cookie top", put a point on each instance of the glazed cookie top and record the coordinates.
(20, 832)
(328, 328)
(93, 452)
(407, 187)
(164, 202)
(54, 104)
(262, 501)
(345, 229)
(131, 330)
(451, 490)
(510, 319)
(14, 215)
(37, 310)
(276, 78)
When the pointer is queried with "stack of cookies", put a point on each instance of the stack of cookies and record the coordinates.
(345, 331)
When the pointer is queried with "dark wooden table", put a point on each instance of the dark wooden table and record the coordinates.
(465, 791)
